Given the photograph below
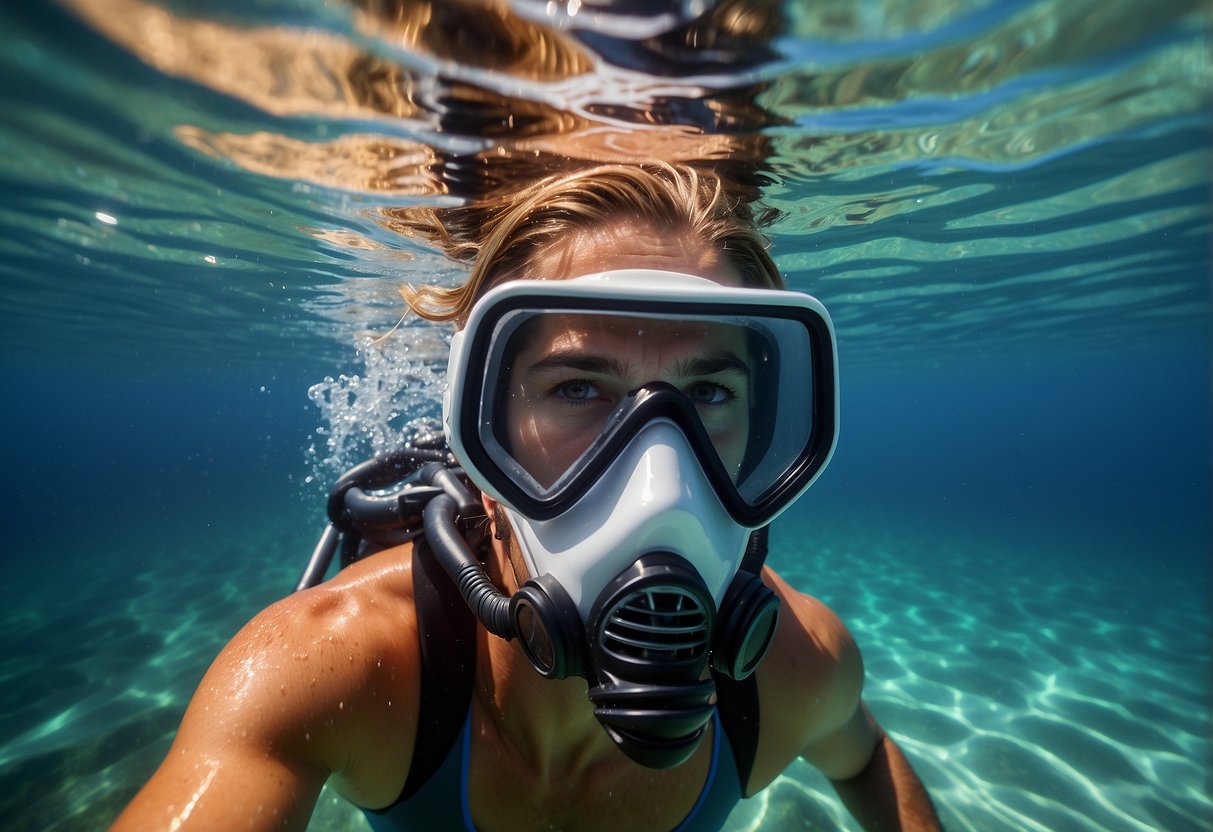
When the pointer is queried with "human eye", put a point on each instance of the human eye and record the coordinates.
(710, 393)
(577, 391)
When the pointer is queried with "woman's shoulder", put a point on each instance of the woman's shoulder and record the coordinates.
(809, 682)
(357, 630)
(335, 633)
(363, 607)
(345, 657)
(367, 584)
(811, 643)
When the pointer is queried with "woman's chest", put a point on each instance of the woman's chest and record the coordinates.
(504, 794)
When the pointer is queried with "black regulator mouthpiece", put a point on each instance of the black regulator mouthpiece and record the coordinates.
(650, 640)
(653, 634)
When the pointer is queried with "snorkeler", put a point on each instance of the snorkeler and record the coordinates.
(634, 399)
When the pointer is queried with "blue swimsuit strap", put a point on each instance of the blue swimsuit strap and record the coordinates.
(711, 778)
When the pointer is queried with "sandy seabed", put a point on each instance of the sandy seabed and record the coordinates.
(1030, 695)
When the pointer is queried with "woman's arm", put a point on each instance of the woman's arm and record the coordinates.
(230, 766)
(225, 786)
(885, 794)
(811, 697)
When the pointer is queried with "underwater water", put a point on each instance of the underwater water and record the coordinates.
(1004, 205)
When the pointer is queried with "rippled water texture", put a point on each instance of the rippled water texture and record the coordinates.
(207, 210)
(950, 174)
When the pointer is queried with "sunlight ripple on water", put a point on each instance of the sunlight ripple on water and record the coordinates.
(929, 160)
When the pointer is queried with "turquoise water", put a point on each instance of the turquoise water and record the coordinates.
(1005, 206)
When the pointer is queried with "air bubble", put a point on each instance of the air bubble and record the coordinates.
(373, 412)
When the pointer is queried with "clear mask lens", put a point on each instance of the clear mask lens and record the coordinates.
(559, 383)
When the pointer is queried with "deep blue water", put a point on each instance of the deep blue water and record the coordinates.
(1004, 206)
(1107, 453)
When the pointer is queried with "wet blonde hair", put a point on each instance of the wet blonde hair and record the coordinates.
(667, 198)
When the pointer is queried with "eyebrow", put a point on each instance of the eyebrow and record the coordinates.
(722, 361)
(572, 360)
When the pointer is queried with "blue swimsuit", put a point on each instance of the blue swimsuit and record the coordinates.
(442, 803)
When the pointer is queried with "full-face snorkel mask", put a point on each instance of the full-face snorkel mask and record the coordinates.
(638, 427)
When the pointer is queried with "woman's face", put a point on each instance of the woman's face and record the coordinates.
(572, 371)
